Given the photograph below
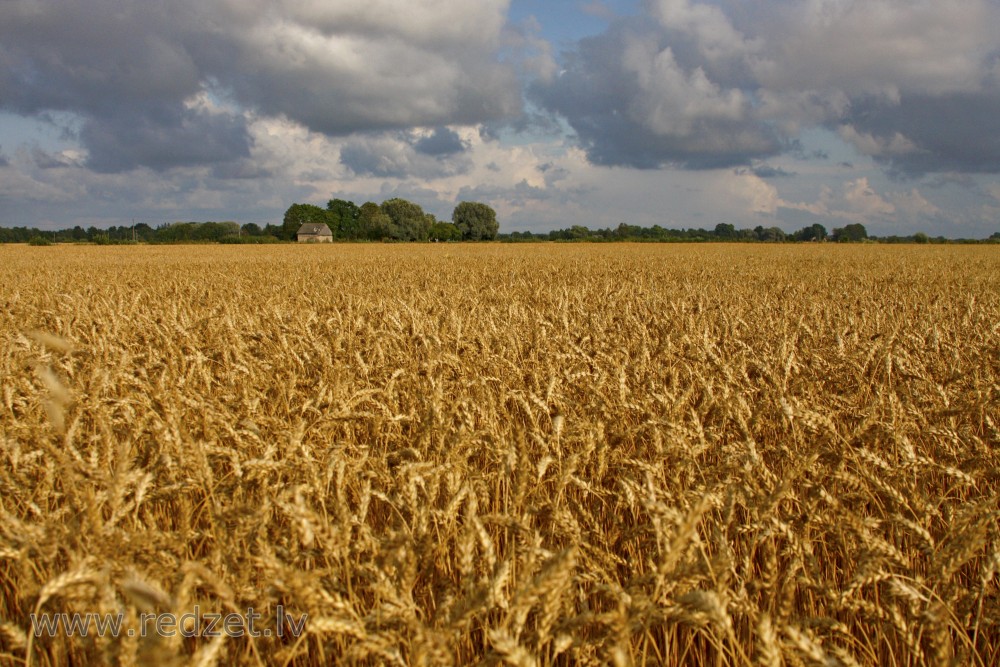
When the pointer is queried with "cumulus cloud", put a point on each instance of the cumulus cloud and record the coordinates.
(706, 25)
(633, 102)
(875, 48)
(130, 70)
(916, 86)
(862, 200)
(359, 65)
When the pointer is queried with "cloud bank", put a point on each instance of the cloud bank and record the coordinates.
(915, 86)
(139, 73)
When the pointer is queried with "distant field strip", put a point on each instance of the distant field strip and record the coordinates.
(501, 454)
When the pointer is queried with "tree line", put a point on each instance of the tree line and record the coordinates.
(393, 220)
(852, 233)
(401, 220)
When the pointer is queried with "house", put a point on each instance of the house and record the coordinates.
(315, 232)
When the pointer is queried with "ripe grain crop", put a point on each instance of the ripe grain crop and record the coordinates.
(485, 454)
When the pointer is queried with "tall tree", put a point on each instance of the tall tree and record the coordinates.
(724, 230)
(851, 233)
(373, 223)
(409, 221)
(445, 231)
(344, 218)
(476, 221)
(814, 232)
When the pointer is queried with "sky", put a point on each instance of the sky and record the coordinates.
(682, 113)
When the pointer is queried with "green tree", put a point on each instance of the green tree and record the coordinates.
(445, 231)
(373, 223)
(409, 222)
(851, 233)
(172, 233)
(771, 234)
(252, 229)
(298, 215)
(144, 232)
(724, 230)
(920, 237)
(344, 217)
(213, 231)
(476, 221)
(814, 232)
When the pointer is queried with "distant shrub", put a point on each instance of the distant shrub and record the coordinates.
(39, 240)
(243, 240)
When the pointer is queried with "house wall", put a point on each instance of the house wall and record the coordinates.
(314, 238)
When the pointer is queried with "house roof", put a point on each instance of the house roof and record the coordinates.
(315, 228)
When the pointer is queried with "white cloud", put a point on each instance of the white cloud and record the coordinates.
(714, 34)
(878, 47)
(854, 201)
(758, 196)
(914, 206)
(862, 202)
(671, 101)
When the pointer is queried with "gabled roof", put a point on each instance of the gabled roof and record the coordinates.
(315, 229)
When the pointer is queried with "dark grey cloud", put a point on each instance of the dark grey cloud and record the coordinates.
(164, 138)
(519, 195)
(765, 171)
(442, 141)
(366, 158)
(125, 71)
(4, 160)
(92, 57)
(924, 133)
(241, 170)
(406, 154)
(136, 74)
(46, 160)
(530, 122)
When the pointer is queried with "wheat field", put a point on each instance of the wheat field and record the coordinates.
(487, 454)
